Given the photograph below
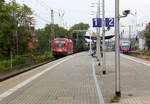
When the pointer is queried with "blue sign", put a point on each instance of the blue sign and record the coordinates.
(93, 38)
(110, 22)
(97, 22)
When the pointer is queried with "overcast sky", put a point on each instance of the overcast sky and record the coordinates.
(76, 11)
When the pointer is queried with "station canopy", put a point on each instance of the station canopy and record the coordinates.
(94, 36)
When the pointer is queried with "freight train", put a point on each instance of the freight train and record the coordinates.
(64, 46)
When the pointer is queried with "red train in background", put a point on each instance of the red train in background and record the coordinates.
(62, 47)
(125, 47)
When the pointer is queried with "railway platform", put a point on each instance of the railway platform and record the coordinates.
(77, 79)
(70, 80)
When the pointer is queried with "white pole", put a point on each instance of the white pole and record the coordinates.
(98, 33)
(117, 53)
(103, 33)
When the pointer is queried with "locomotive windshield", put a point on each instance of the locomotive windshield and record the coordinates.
(60, 44)
(125, 46)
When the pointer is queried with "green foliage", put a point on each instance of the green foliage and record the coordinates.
(48, 55)
(43, 43)
(47, 34)
(7, 30)
(24, 60)
(44, 57)
(147, 36)
(55, 31)
(80, 26)
(144, 51)
(52, 31)
(115, 99)
(19, 60)
(4, 64)
(134, 47)
(25, 22)
(14, 17)
(24, 17)
(78, 37)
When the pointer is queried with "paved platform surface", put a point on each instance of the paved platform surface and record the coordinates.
(135, 80)
(135, 100)
(70, 82)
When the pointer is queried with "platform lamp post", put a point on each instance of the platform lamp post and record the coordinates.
(103, 35)
(93, 14)
(117, 42)
(90, 33)
(98, 31)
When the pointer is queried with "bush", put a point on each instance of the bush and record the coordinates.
(19, 60)
(48, 55)
(44, 57)
(4, 64)
(134, 47)
(144, 51)
(24, 60)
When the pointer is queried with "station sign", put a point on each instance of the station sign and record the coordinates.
(110, 22)
(97, 22)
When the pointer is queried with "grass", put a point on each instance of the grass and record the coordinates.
(143, 54)
(144, 51)
(115, 99)
(144, 57)
(15, 69)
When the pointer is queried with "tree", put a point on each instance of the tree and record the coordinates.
(16, 23)
(51, 31)
(1, 3)
(25, 23)
(48, 33)
(24, 16)
(78, 37)
(43, 41)
(7, 30)
(80, 26)
(55, 31)
(147, 36)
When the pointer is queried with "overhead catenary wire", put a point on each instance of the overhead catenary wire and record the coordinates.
(42, 4)
(39, 5)
(41, 18)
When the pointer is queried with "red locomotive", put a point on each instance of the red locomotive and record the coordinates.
(62, 47)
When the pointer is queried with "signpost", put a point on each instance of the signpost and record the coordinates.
(103, 22)
(97, 22)
(109, 22)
